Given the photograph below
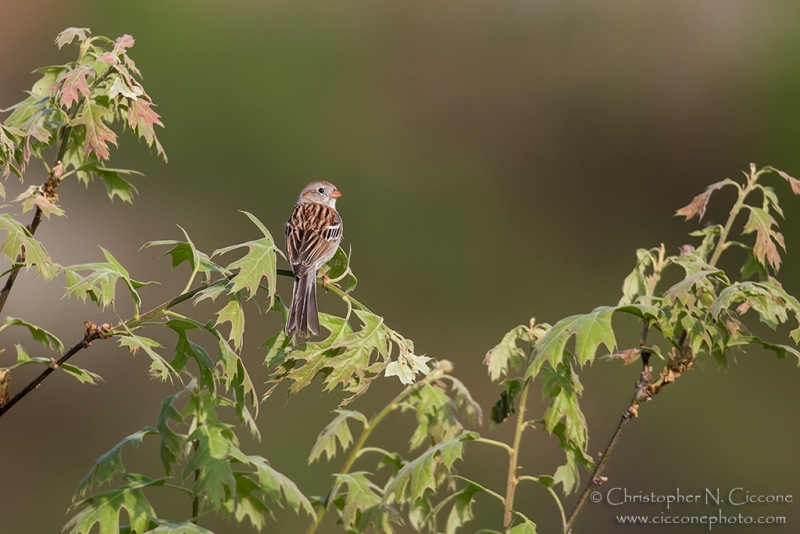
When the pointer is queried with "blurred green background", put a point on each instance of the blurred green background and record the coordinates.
(499, 160)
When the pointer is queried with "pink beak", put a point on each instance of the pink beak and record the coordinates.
(335, 193)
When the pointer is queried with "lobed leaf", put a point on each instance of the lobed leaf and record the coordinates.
(105, 509)
(39, 334)
(590, 330)
(765, 249)
(159, 366)
(108, 464)
(418, 476)
(506, 353)
(336, 430)
(216, 447)
(19, 240)
(276, 484)
(697, 207)
(259, 262)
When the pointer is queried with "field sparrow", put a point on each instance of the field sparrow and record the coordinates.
(313, 233)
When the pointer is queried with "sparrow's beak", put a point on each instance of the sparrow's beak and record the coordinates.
(335, 193)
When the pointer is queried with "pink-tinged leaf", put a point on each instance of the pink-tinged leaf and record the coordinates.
(70, 84)
(794, 182)
(33, 128)
(110, 58)
(141, 119)
(123, 43)
(69, 35)
(98, 134)
(628, 356)
(699, 203)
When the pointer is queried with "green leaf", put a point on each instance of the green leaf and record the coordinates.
(526, 527)
(39, 334)
(461, 512)
(233, 313)
(506, 353)
(100, 283)
(166, 527)
(336, 430)
(418, 476)
(361, 495)
(635, 284)
(591, 330)
(18, 238)
(259, 262)
(83, 376)
(216, 446)
(710, 234)
(185, 349)
(504, 407)
(105, 509)
(317, 355)
(471, 409)
(247, 502)
(110, 463)
(562, 386)
(567, 474)
(171, 449)
(116, 185)
(274, 484)
(348, 368)
(237, 376)
(160, 367)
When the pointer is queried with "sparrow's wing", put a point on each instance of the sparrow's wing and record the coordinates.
(312, 234)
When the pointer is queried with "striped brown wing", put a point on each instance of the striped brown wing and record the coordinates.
(313, 233)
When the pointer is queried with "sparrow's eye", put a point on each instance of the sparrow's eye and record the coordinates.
(321, 190)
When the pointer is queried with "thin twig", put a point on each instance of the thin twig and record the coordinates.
(92, 332)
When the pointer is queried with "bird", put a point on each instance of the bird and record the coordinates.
(313, 234)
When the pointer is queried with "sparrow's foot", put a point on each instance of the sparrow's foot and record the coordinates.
(326, 281)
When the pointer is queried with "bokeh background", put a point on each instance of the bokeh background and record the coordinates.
(499, 160)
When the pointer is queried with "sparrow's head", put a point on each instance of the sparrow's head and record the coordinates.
(320, 193)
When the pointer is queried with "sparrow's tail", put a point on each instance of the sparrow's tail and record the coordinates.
(303, 311)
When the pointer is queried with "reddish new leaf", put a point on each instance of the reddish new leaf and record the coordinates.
(794, 182)
(141, 119)
(98, 134)
(121, 44)
(70, 84)
(33, 128)
(699, 203)
(68, 35)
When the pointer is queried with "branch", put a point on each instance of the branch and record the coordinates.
(511, 483)
(105, 331)
(641, 393)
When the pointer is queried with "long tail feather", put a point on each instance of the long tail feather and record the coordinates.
(303, 310)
